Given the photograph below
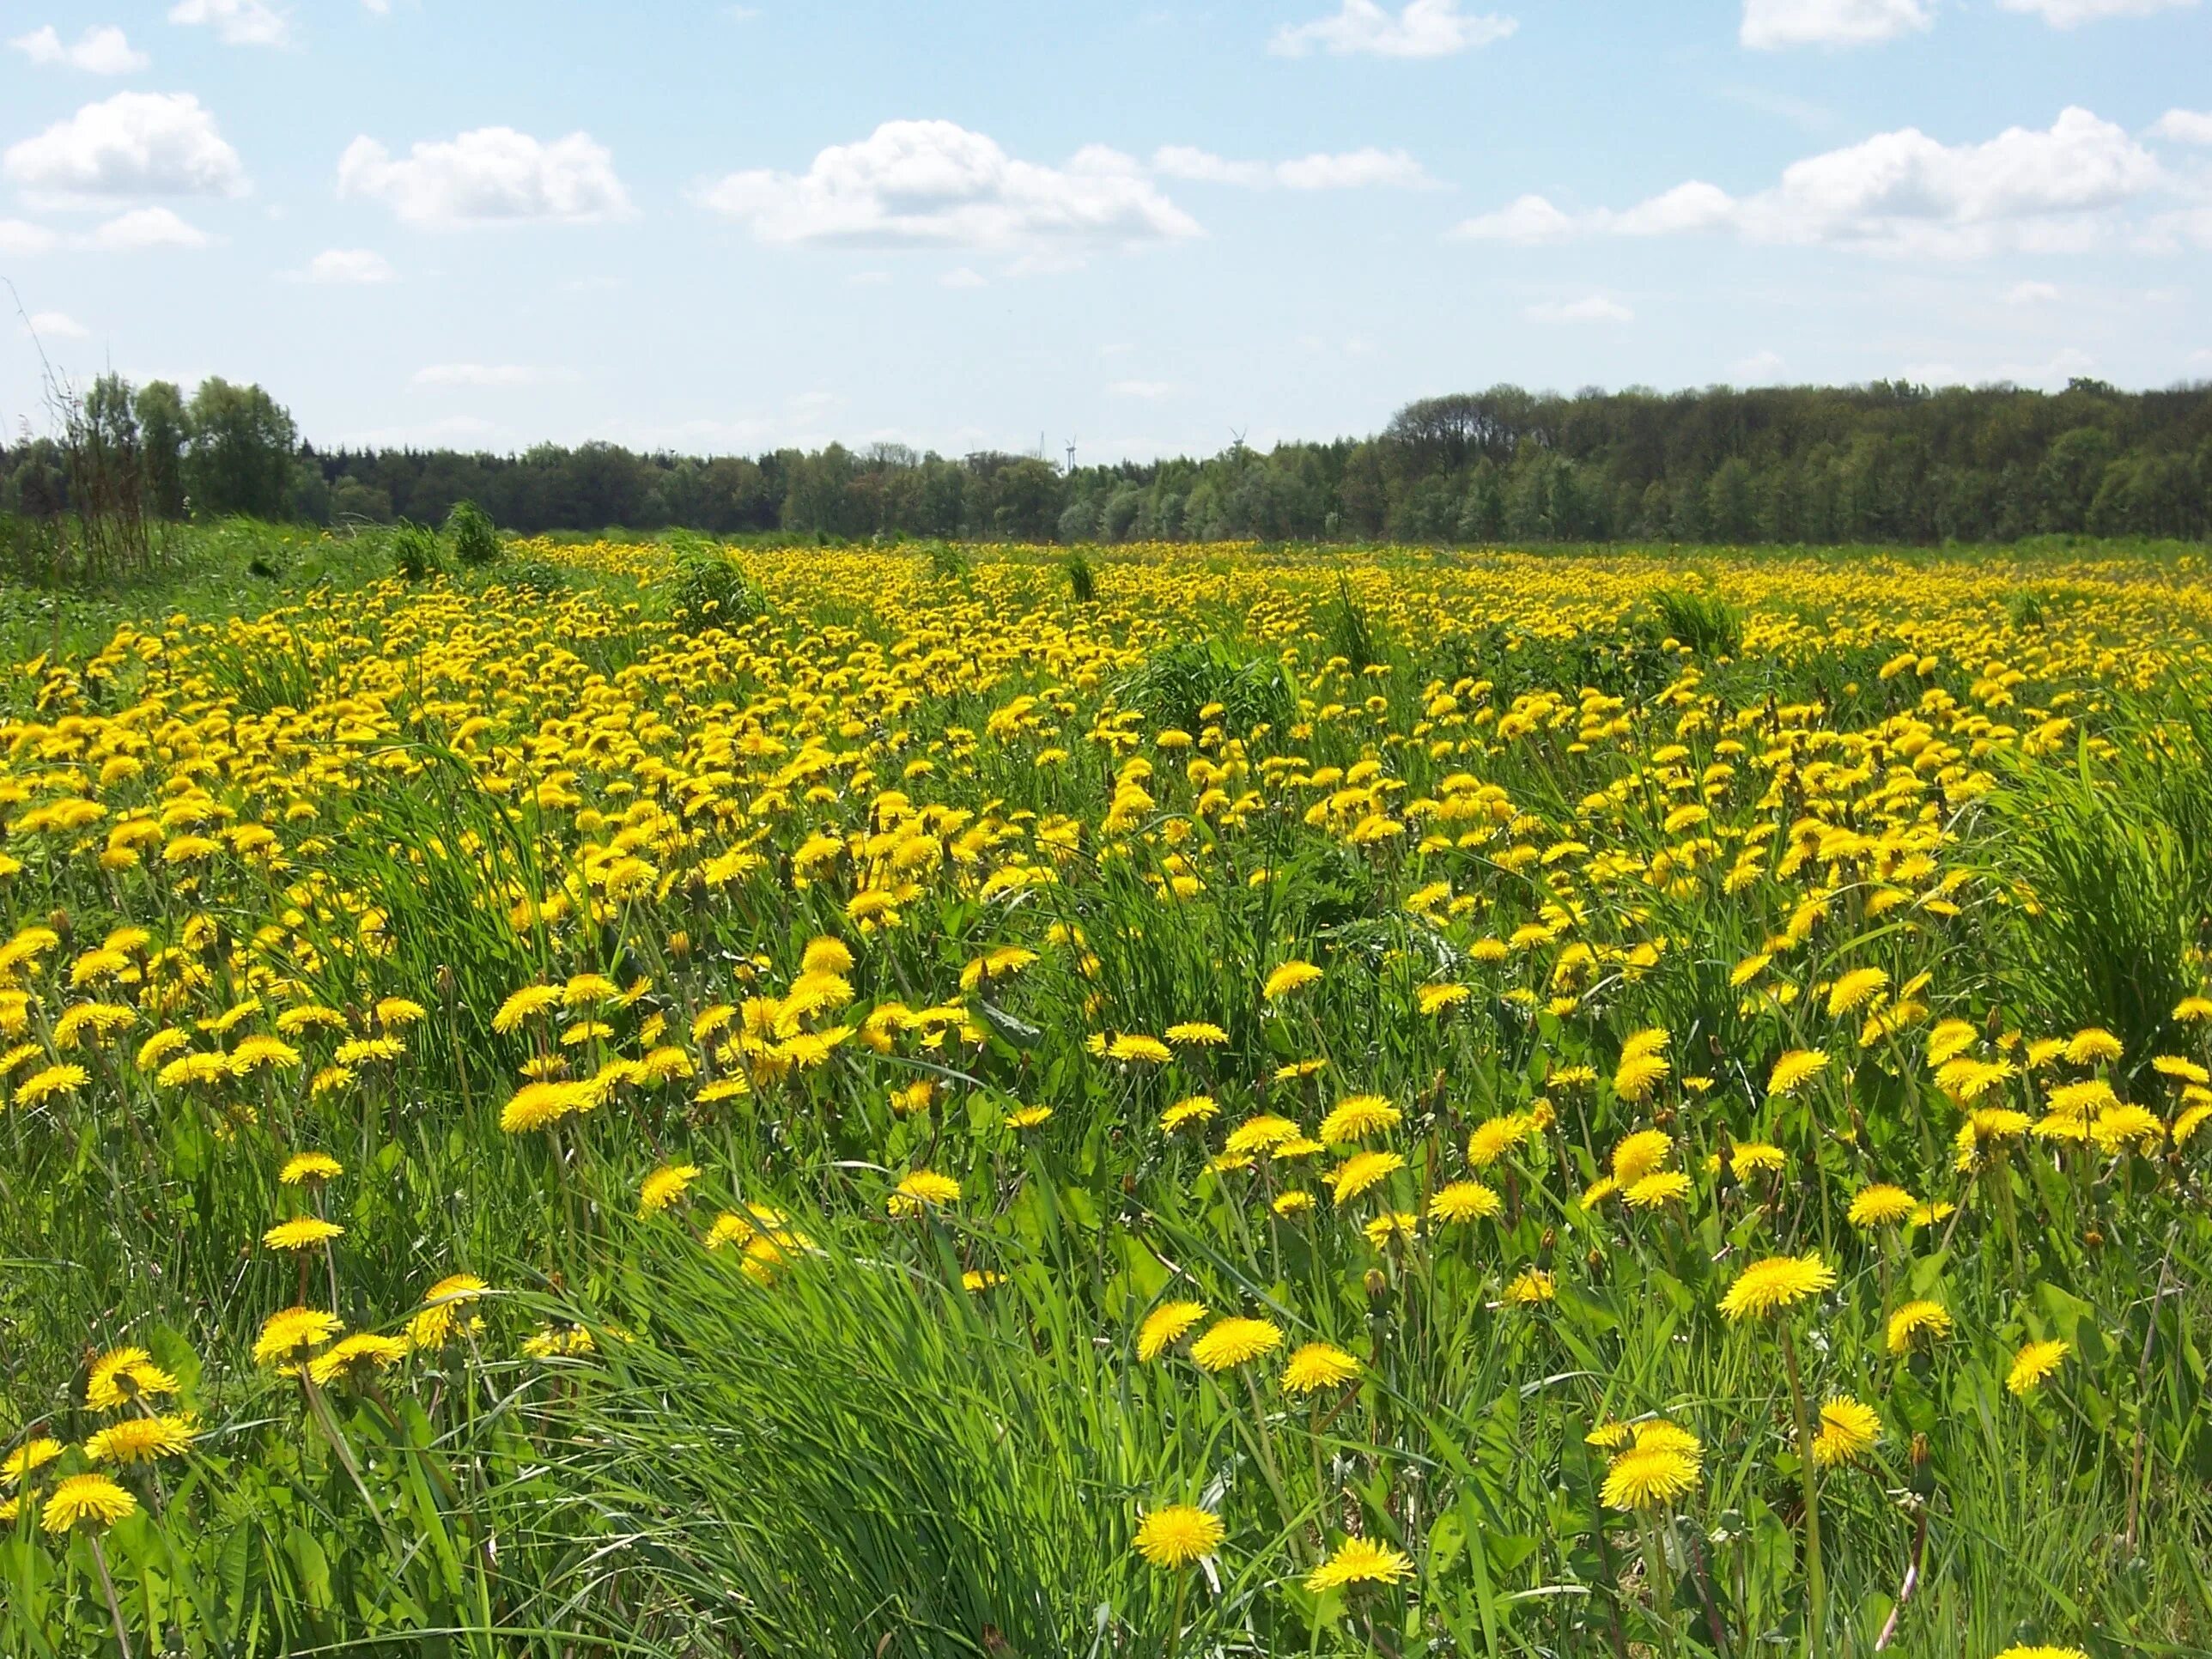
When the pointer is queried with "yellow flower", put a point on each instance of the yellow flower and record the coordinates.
(1656, 1190)
(1853, 990)
(440, 1317)
(123, 1374)
(292, 1333)
(1362, 1171)
(307, 1168)
(1650, 1474)
(1198, 1032)
(2038, 1651)
(1778, 1282)
(1794, 1069)
(2090, 1046)
(29, 1458)
(540, 1105)
(1234, 1341)
(530, 1001)
(1917, 1322)
(352, 1359)
(1357, 1116)
(1196, 1109)
(1531, 1287)
(1178, 1534)
(664, 1186)
(1464, 1200)
(60, 1079)
(1138, 1049)
(301, 1233)
(1637, 1155)
(2034, 1365)
(1495, 1136)
(1292, 975)
(1317, 1365)
(1756, 1157)
(1848, 1431)
(1882, 1205)
(1359, 1561)
(1165, 1325)
(923, 1189)
(83, 1499)
(140, 1439)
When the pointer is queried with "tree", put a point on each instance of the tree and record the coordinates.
(163, 431)
(240, 459)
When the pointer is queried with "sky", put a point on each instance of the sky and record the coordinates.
(1140, 229)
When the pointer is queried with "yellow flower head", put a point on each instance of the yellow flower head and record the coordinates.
(309, 1169)
(355, 1358)
(123, 1374)
(1639, 1154)
(1317, 1365)
(664, 1186)
(1234, 1341)
(1360, 1561)
(1361, 1171)
(1178, 1534)
(1882, 1205)
(1292, 975)
(1848, 1431)
(2034, 1365)
(1794, 1069)
(91, 1500)
(1777, 1283)
(301, 1233)
(1917, 1323)
(1357, 1116)
(1165, 1325)
(924, 1188)
(294, 1333)
(140, 1439)
(1465, 1201)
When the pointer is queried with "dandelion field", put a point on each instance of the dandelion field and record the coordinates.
(956, 1101)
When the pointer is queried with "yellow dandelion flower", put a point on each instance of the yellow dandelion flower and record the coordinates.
(2034, 1365)
(1882, 1205)
(1292, 975)
(1357, 1116)
(301, 1233)
(123, 1374)
(1178, 1534)
(1165, 1326)
(86, 1499)
(1777, 1283)
(1360, 1561)
(921, 1189)
(292, 1333)
(1853, 991)
(1234, 1341)
(1917, 1323)
(1848, 1429)
(664, 1186)
(1317, 1365)
(1638, 1155)
(1195, 1108)
(1361, 1172)
(309, 1169)
(1464, 1200)
(1794, 1069)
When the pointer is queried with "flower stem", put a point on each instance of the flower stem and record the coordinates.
(1816, 1579)
(114, 1606)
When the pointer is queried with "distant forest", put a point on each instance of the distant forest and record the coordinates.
(1888, 462)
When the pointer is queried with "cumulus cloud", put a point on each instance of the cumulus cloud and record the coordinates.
(1900, 191)
(934, 184)
(348, 267)
(136, 143)
(961, 277)
(2184, 126)
(1529, 221)
(1355, 169)
(1594, 309)
(1771, 25)
(1423, 29)
(22, 238)
(56, 325)
(102, 51)
(1761, 368)
(236, 23)
(144, 228)
(2072, 14)
(2031, 294)
(491, 175)
(492, 374)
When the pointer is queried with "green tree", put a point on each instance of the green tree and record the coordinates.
(163, 432)
(241, 447)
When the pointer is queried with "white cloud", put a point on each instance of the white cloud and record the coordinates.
(1141, 388)
(136, 143)
(2071, 14)
(1529, 222)
(349, 266)
(1594, 309)
(2184, 126)
(1761, 368)
(2055, 370)
(142, 229)
(1423, 29)
(56, 325)
(934, 184)
(493, 174)
(2031, 294)
(492, 375)
(961, 277)
(102, 51)
(1902, 192)
(868, 279)
(22, 238)
(1770, 25)
(236, 23)
(1353, 169)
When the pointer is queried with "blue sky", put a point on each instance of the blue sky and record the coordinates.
(1144, 228)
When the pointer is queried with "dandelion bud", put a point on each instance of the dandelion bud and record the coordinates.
(1551, 1237)
(1378, 1284)
(2094, 1238)
(447, 981)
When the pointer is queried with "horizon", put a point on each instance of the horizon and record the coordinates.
(1145, 229)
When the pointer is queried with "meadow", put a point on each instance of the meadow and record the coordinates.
(938, 1100)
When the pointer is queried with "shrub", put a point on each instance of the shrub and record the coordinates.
(1082, 580)
(1707, 622)
(417, 553)
(469, 533)
(711, 588)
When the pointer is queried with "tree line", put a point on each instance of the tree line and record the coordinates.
(1886, 462)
